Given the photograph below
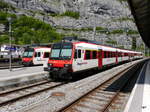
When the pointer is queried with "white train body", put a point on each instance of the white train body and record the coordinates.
(72, 57)
(35, 56)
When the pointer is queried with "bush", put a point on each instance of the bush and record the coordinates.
(5, 6)
(72, 14)
(27, 30)
(130, 32)
(119, 31)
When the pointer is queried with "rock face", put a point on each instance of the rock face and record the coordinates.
(108, 14)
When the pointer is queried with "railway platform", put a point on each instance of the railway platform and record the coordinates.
(139, 99)
(22, 75)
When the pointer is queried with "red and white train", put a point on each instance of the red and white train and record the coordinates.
(67, 58)
(35, 56)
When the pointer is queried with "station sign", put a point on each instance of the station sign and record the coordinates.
(10, 48)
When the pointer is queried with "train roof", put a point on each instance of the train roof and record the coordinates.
(103, 47)
(94, 44)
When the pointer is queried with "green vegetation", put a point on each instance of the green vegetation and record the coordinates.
(69, 35)
(100, 28)
(122, 0)
(118, 31)
(27, 30)
(5, 6)
(72, 14)
(123, 19)
(111, 42)
(121, 46)
(86, 29)
(130, 32)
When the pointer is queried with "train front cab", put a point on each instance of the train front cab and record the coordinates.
(60, 61)
(27, 58)
(68, 59)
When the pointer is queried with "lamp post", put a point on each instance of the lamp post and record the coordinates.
(10, 21)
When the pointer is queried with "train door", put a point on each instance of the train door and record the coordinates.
(116, 55)
(37, 58)
(100, 56)
(78, 57)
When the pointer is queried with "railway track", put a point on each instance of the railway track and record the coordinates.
(15, 94)
(107, 97)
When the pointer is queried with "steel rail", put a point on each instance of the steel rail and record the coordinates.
(107, 82)
(26, 91)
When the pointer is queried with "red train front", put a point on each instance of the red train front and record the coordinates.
(60, 61)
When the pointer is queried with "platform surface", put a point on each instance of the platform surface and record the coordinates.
(139, 100)
(18, 75)
(20, 71)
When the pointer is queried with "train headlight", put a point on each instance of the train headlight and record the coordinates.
(50, 64)
(67, 65)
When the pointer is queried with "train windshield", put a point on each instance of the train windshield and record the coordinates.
(28, 53)
(61, 51)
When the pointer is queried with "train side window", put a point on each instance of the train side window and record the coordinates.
(46, 55)
(79, 53)
(38, 54)
(75, 54)
(109, 55)
(104, 54)
(87, 54)
(35, 55)
(94, 55)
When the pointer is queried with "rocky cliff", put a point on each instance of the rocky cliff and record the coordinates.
(111, 20)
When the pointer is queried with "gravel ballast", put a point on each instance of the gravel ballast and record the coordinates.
(49, 102)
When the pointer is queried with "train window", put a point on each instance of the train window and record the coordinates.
(109, 54)
(38, 54)
(94, 55)
(87, 54)
(105, 56)
(79, 53)
(75, 54)
(46, 55)
(35, 55)
(112, 54)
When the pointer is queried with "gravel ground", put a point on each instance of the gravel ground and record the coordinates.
(47, 102)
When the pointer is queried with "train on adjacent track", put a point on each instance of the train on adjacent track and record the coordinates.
(35, 56)
(70, 57)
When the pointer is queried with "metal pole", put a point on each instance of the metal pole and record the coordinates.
(94, 31)
(10, 67)
(94, 28)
